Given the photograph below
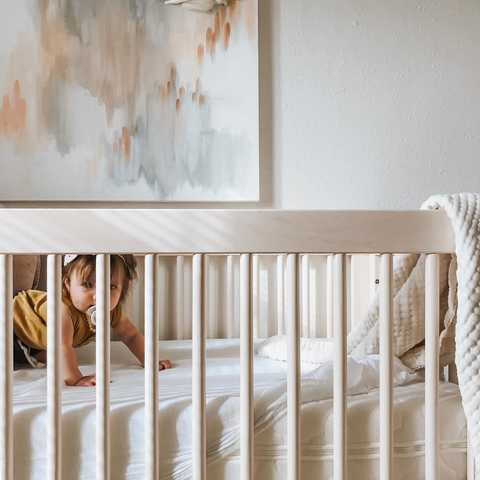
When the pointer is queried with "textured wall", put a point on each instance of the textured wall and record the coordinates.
(376, 103)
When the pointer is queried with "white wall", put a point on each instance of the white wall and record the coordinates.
(366, 104)
(376, 102)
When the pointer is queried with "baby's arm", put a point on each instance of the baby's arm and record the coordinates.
(71, 374)
(135, 341)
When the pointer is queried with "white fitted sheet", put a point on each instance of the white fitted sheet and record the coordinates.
(127, 425)
(363, 439)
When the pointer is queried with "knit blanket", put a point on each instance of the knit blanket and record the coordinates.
(464, 212)
(460, 327)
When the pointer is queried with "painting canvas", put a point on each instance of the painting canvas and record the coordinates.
(128, 100)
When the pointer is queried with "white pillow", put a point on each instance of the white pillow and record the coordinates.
(312, 350)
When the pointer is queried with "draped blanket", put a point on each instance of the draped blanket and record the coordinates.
(464, 211)
(458, 284)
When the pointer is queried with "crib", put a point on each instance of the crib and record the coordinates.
(293, 235)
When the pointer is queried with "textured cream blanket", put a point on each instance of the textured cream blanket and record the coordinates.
(409, 310)
(464, 211)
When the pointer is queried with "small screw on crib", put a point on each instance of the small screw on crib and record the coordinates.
(377, 281)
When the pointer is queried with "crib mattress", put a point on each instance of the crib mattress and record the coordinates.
(363, 434)
(127, 425)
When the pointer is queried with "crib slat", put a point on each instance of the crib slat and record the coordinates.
(374, 274)
(340, 367)
(103, 366)
(246, 359)
(306, 296)
(330, 296)
(54, 367)
(198, 370)
(432, 308)
(6, 368)
(386, 367)
(180, 297)
(293, 370)
(209, 327)
(152, 470)
(256, 295)
(281, 294)
(231, 297)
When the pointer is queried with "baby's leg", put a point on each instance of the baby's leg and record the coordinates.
(41, 356)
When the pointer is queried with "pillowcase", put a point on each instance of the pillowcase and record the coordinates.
(312, 350)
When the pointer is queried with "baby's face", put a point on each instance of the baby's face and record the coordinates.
(83, 294)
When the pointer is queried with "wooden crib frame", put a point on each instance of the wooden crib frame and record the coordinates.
(198, 232)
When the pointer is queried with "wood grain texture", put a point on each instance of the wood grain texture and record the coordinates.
(141, 231)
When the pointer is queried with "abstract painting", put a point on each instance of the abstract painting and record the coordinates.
(128, 100)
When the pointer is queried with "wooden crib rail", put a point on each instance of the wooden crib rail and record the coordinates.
(60, 231)
(200, 233)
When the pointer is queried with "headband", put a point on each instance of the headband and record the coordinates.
(69, 258)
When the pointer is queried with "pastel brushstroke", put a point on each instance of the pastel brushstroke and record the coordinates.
(13, 114)
(132, 100)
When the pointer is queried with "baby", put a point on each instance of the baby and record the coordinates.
(78, 327)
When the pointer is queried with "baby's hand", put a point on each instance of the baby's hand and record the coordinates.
(88, 381)
(164, 365)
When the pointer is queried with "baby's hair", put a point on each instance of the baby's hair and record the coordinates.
(84, 267)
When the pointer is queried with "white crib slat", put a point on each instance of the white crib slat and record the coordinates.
(293, 370)
(330, 296)
(281, 294)
(199, 363)
(313, 302)
(209, 327)
(230, 297)
(6, 368)
(152, 470)
(103, 366)
(246, 360)
(386, 367)
(353, 292)
(54, 367)
(432, 272)
(340, 368)
(256, 295)
(180, 297)
(306, 296)
(374, 272)
(359, 288)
